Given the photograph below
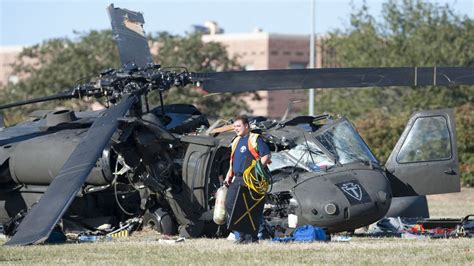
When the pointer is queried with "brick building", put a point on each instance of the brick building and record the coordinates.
(261, 50)
(8, 56)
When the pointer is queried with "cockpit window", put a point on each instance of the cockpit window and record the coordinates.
(345, 144)
(306, 156)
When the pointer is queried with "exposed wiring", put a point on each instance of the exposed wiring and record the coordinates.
(118, 201)
(114, 182)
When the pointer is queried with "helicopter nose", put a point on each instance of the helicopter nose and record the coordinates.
(343, 200)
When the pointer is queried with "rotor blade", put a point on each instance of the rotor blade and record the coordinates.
(59, 96)
(41, 219)
(127, 27)
(287, 79)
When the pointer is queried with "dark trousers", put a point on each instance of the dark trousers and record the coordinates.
(230, 200)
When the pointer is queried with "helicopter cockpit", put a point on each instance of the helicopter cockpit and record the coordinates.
(336, 143)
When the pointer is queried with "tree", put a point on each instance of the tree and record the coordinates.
(409, 33)
(58, 64)
(464, 128)
(190, 52)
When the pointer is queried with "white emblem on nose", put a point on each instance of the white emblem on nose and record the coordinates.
(352, 190)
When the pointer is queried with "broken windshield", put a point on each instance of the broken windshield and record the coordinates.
(306, 156)
(345, 144)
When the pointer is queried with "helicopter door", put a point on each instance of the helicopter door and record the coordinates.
(196, 165)
(425, 159)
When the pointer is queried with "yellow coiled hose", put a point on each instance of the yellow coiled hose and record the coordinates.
(258, 179)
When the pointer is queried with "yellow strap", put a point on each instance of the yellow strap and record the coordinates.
(234, 145)
(252, 145)
(247, 212)
(253, 139)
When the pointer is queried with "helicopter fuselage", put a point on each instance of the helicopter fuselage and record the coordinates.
(323, 173)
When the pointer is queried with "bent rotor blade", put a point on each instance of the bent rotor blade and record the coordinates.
(127, 28)
(287, 79)
(41, 219)
(59, 96)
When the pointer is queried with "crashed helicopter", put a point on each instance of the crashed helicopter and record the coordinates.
(164, 164)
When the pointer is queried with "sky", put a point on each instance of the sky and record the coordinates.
(27, 22)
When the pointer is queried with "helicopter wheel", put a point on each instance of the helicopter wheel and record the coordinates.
(160, 220)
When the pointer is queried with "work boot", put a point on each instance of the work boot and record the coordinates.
(246, 239)
(242, 241)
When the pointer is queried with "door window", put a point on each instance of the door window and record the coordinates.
(428, 140)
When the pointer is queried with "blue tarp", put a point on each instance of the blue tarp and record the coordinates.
(305, 233)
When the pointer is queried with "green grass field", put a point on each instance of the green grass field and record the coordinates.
(145, 248)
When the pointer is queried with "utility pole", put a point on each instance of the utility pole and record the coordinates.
(311, 58)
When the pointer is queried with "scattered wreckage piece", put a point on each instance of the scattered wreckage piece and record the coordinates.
(422, 228)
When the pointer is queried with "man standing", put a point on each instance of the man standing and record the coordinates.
(247, 146)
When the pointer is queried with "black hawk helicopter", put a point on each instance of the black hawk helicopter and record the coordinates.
(164, 163)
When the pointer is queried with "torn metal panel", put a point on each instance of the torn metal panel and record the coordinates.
(127, 27)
